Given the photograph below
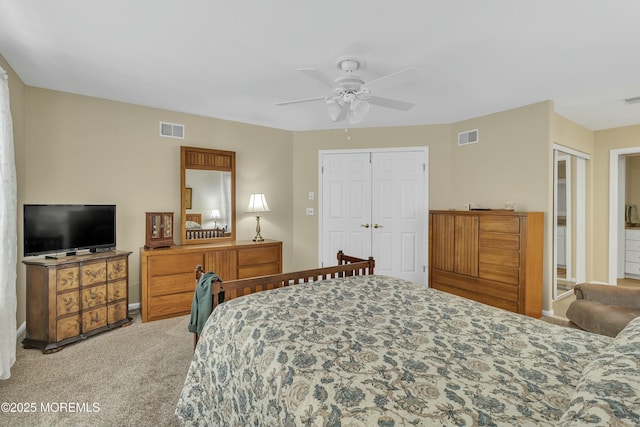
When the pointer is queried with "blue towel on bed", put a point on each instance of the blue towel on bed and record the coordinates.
(201, 306)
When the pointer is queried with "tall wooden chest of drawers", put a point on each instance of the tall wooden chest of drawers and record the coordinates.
(494, 257)
(168, 274)
(74, 297)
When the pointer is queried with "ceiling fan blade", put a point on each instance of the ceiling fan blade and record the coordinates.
(298, 101)
(318, 76)
(395, 79)
(390, 103)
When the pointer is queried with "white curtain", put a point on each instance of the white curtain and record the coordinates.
(8, 231)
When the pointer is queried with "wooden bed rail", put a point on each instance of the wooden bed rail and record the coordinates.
(347, 266)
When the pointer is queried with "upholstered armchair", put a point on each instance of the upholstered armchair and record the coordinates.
(603, 309)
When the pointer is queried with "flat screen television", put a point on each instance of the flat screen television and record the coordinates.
(67, 229)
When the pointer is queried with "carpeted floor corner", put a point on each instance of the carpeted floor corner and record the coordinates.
(130, 376)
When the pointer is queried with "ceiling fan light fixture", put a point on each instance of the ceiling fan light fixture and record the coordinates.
(334, 109)
(360, 107)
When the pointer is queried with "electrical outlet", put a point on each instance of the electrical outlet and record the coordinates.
(309, 211)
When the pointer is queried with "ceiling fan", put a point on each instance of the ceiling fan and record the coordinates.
(351, 97)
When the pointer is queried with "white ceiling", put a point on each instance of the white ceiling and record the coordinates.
(235, 59)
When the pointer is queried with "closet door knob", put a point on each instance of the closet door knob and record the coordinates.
(364, 225)
(377, 226)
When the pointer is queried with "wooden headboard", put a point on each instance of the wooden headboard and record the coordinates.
(194, 217)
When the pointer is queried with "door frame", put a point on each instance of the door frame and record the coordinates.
(616, 205)
(424, 149)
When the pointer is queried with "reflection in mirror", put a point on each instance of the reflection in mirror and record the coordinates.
(207, 195)
(210, 203)
(569, 225)
(563, 224)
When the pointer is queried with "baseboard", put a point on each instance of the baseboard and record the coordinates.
(548, 313)
(21, 330)
(134, 306)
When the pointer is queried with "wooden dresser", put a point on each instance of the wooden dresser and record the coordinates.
(74, 297)
(168, 274)
(494, 257)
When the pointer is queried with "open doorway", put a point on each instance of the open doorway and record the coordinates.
(624, 230)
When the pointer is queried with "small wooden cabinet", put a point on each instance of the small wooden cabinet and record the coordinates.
(159, 229)
(74, 297)
(494, 257)
(168, 275)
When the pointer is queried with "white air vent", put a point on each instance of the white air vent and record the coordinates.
(468, 137)
(171, 130)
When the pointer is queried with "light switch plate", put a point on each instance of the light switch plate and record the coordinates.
(309, 211)
(311, 195)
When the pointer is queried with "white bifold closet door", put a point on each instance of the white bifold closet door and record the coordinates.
(375, 203)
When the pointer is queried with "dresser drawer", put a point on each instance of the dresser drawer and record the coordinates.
(500, 224)
(499, 240)
(174, 263)
(68, 327)
(117, 269)
(67, 303)
(258, 255)
(94, 296)
(93, 273)
(116, 312)
(68, 278)
(632, 256)
(504, 257)
(94, 319)
(499, 273)
(632, 234)
(258, 270)
(632, 267)
(116, 290)
(632, 245)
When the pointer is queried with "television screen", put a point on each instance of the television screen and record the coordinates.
(68, 228)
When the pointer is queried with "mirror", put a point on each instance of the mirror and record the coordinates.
(569, 213)
(207, 196)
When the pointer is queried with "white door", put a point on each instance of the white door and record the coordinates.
(374, 203)
(345, 214)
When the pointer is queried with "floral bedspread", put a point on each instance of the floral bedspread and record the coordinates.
(379, 351)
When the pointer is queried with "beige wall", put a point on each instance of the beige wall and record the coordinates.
(89, 150)
(512, 162)
(605, 141)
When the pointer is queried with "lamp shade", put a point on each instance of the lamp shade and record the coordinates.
(334, 109)
(257, 203)
(359, 109)
(215, 214)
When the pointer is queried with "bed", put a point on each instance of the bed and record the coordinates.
(193, 225)
(369, 350)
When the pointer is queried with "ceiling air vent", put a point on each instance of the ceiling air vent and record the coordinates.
(634, 100)
(171, 130)
(468, 137)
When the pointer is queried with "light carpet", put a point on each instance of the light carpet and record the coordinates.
(130, 376)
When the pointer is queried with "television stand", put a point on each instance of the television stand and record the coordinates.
(72, 298)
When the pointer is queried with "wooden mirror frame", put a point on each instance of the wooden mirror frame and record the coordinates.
(206, 159)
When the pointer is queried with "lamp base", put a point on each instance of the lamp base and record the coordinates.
(258, 237)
